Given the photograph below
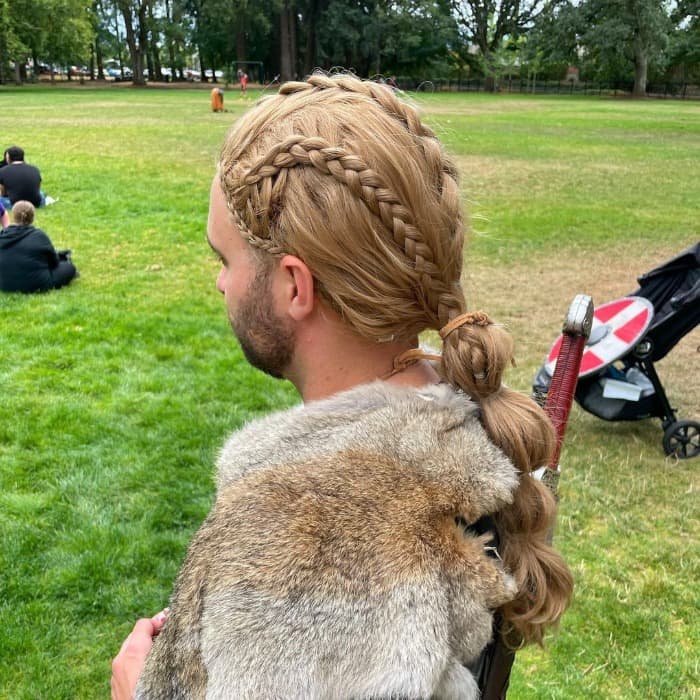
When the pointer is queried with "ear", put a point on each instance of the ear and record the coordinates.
(298, 287)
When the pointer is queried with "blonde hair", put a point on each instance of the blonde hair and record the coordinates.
(343, 174)
(23, 212)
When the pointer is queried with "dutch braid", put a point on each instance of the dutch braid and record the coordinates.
(364, 183)
(386, 98)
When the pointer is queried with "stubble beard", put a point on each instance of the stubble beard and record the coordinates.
(266, 340)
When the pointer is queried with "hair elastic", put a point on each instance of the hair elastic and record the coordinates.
(473, 318)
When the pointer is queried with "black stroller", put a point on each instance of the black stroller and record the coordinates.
(629, 387)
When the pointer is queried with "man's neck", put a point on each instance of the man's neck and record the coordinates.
(336, 363)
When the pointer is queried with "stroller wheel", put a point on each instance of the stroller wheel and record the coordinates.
(682, 439)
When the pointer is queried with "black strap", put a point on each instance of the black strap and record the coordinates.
(495, 674)
(492, 668)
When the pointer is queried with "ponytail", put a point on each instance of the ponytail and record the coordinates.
(475, 355)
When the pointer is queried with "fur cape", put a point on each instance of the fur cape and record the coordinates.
(335, 563)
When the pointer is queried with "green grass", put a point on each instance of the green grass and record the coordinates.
(118, 391)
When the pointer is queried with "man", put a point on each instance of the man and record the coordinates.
(28, 261)
(20, 180)
(326, 564)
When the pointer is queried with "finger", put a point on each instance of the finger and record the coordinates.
(140, 639)
(159, 620)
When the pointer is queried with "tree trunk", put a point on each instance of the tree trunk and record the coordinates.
(138, 67)
(150, 64)
(171, 56)
(134, 49)
(311, 51)
(170, 40)
(241, 47)
(98, 59)
(293, 43)
(156, 64)
(287, 57)
(640, 70)
(149, 53)
(119, 43)
(202, 72)
(154, 68)
(489, 71)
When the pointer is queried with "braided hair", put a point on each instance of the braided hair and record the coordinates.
(344, 174)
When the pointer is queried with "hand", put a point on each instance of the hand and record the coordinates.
(129, 662)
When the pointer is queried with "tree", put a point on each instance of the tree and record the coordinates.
(135, 14)
(487, 23)
(224, 31)
(384, 37)
(14, 33)
(69, 32)
(53, 31)
(684, 44)
(613, 39)
(633, 31)
(175, 33)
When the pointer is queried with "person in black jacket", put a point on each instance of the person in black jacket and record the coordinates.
(28, 260)
(20, 180)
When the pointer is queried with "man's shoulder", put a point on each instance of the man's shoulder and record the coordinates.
(372, 416)
(29, 168)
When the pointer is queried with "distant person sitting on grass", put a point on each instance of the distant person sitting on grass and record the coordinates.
(28, 260)
(20, 181)
(4, 217)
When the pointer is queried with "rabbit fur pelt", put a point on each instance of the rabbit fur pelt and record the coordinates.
(335, 563)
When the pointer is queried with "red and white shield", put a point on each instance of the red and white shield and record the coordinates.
(617, 327)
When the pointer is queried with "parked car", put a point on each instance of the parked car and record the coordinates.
(44, 68)
(116, 74)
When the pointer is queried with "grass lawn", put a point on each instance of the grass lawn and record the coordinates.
(118, 391)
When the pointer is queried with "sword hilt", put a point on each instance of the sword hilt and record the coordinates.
(576, 329)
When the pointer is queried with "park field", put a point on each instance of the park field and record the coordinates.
(117, 392)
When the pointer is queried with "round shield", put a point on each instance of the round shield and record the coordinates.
(617, 327)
